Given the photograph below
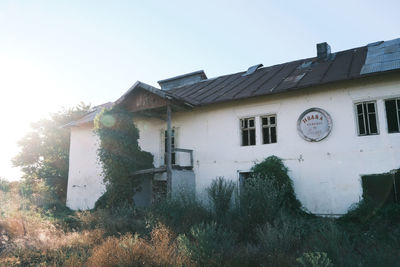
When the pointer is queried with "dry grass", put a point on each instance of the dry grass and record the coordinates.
(128, 250)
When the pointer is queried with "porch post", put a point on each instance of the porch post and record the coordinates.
(169, 152)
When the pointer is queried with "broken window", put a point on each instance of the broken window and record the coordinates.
(172, 147)
(269, 129)
(248, 129)
(382, 188)
(366, 118)
(393, 115)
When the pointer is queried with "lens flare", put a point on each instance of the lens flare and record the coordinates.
(108, 120)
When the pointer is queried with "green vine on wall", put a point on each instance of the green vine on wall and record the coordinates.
(120, 156)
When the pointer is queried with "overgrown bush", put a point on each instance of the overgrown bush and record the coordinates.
(179, 213)
(120, 156)
(220, 194)
(259, 202)
(208, 244)
(129, 250)
(273, 169)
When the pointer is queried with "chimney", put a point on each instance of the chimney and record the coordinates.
(323, 51)
(181, 80)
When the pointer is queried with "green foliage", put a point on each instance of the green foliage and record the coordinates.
(220, 194)
(259, 202)
(44, 153)
(179, 213)
(208, 244)
(273, 169)
(120, 156)
(4, 185)
(314, 259)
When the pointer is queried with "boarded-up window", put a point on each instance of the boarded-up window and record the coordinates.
(248, 129)
(366, 118)
(393, 115)
(269, 129)
(382, 188)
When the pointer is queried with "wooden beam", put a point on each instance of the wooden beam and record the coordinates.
(150, 171)
(169, 150)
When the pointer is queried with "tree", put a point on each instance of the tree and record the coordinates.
(44, 152)
(120, 156)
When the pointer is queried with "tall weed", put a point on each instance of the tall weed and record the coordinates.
(220, 194)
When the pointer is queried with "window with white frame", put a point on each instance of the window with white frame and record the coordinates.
(268, 124)
(393, 115)
(173, 157)
(367, 118)
(248, 130)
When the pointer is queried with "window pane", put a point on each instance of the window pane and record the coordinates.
(245, 123)
(245, 138)
(372, 124)
(252, 137)
(391, 116)
(371, 107)
(266, 136)
(273, 134)
(272, 120)
(361, 126)
(359, 109)
(265, 121)
(251, 122)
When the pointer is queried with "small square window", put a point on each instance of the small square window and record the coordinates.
(248, 130)
(366, 118)
(269, 129)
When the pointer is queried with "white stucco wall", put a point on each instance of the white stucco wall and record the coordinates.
(85, 181)
(326, 174)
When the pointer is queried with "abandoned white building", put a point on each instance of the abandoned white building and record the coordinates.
(331, 118)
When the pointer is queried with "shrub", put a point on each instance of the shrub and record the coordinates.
(220, 194)
(259, 202)
(128, 250)
(314, 259)
(179, 213)
(208, 244)
(273, 169)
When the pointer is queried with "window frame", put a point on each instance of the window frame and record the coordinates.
(262, 126)
(248, 129)
(362, 103)
(396, 101)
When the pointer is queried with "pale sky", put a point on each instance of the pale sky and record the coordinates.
(55, 54)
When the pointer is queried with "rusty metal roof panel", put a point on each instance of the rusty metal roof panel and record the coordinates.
(374, 58)
(272, 84)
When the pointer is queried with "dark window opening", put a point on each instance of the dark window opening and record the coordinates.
(382, 189)
(393, 115)
(243, 176)
(269, 129)
(248, 130)
(366, 118)
(172, 147)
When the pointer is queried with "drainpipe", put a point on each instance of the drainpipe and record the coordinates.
(169, 148)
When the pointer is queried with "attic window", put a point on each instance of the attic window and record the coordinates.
(248, 129)
(393, 115)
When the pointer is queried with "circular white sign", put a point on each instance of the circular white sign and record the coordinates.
(314, 124)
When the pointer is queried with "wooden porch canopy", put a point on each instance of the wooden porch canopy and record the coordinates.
(146, 100)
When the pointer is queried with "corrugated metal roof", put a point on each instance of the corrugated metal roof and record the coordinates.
(345, 65)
